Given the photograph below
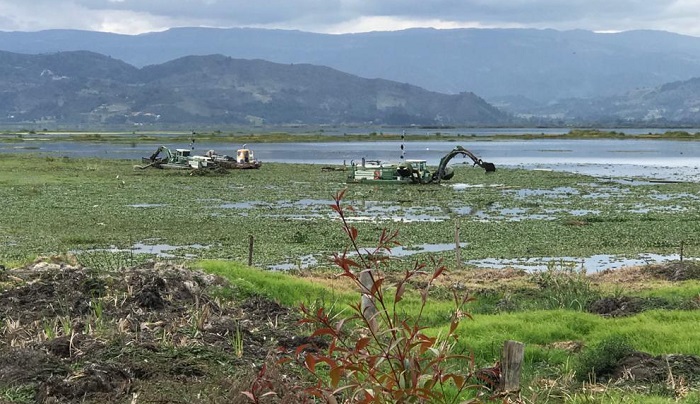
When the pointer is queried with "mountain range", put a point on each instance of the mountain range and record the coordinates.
(671, 104)
(85, 88)
(539, 76)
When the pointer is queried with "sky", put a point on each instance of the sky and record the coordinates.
(350, 16)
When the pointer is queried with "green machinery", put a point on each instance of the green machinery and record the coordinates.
(411, 171)
(163, 157)
(179, 159)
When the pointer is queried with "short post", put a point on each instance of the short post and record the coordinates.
(681, 251)
(458, 252)
(250, 250)
(367, 304)
(511, 364)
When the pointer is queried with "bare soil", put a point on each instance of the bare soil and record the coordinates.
(154, 333)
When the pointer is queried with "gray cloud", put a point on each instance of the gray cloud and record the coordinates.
(134, 16)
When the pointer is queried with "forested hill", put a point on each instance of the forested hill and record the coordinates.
(81, 87)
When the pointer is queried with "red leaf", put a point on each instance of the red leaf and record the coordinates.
(438, 272)
(353, 233)
(376, 286)
(310, 363)
(345, 263)
(323, 331)
(399, 292)
(284, 360)
(459, 381)
(453, 326)
(336, 373)
(250, 395)
(300, 349)
(362, 343)
(327, 361)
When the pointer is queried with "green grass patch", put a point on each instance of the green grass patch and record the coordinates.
(23, 394)
(284, 288)
(656, 332)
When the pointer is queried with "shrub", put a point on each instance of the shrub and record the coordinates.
(599, 362)
(377, 353)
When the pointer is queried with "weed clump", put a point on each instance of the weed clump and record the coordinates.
(565, 287)
(599, 362)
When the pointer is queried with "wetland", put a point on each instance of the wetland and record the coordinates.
(141, 274)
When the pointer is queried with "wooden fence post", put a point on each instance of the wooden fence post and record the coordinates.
(511, 364)
(250, 250)
(367, 304)
(681, 254)
(458, 252)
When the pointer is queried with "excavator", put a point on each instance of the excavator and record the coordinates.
(411, 171)
(180, 159)
(163, 157)
(444, 172)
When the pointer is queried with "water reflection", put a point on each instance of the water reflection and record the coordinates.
(594, 263)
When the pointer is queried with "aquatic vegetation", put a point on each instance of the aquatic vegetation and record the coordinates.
(57, 205)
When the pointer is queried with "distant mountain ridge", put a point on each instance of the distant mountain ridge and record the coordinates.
(86, 88)
(541, 65)
(671, 103)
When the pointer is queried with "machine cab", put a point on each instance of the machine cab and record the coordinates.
(244, 156)
(420, 166)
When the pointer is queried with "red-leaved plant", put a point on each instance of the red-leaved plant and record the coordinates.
(378, 353)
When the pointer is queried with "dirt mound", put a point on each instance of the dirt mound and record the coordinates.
(99, 381)
(75, 334)
(642, 367)
(615, 306)
(626, 305)
(675, 271)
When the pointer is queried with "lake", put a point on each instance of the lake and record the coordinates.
(659, 159)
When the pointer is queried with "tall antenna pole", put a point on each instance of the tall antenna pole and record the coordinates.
(403, 136)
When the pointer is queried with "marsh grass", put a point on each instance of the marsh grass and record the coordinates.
(564, 286)
(107, 260)
(93, 204)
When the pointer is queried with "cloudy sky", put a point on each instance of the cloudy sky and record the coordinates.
(343, 16)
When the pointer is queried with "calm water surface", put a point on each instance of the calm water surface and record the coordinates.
(659, 159)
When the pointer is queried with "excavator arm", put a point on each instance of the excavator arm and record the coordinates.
(161, 149)
(441, 172)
